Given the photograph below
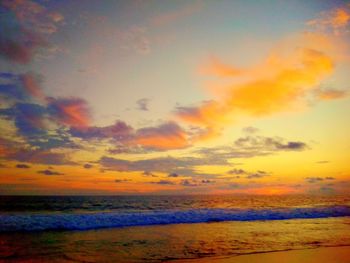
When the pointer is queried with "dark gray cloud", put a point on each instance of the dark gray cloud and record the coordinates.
(169, 165)
(318, 179)
(40, 157)
(22, 166)
(128, 149)
(313, 179)
(248, 175)
(142, 104)
(250, 146)
(173, 175)
(237, 171)
(119, 131)
(269, 144)
(150, 174)
(88, 166)
(250, 130)
(207, 181)
(256, 175)
(164, 182)
(49, 172)
(18, 45)
(122, 180)
(187, 182)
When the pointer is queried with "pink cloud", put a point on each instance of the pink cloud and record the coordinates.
(31, 85)
(73, 112)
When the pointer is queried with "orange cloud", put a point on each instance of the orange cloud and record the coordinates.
(164, 137)
(218, 68)
(275, 85)
(335, 19)
(264, 96)
(330, 94)
(4, 148)
(73, 112)
(31, 85)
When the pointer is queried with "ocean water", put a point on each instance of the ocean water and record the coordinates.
(161, 228)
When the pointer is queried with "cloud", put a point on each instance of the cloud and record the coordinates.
(28, 118)
(135, 39)
(330, 94)
(88, 166)
(218, 68)
(258, 174)
(40, 157)
(147, 173)
(128, 149)
(22, 166)
(33, 120)
(237, 171)
(317, 179)
(34, 16)
(175, 15)
(24, 34)
(20, 87)
(142, 104)
(21, 49)
(31, 85)
(269, 144)
(244, 147)
(49, 172)
(207, 181)
(173, 175)
(164, 182)
(336, 19)
(121, 180)
(119, 131)
(188, 183)
(183, 165)
(249, 175)
(166, 136)
(73, 112)
(322, 162)
(283, 81)
(249, 146)
(6, 147)
(250, 130)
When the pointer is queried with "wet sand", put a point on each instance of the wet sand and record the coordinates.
(315, 255)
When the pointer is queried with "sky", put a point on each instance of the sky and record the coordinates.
(174, 97)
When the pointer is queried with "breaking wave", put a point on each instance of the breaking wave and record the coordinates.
(84, 221)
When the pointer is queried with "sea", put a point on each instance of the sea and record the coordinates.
(166, 228)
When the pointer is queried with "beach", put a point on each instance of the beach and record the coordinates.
(252, 241)
(315, 255)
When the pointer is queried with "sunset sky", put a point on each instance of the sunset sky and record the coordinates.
(174, 97)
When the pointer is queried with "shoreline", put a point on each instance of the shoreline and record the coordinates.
(338, 254)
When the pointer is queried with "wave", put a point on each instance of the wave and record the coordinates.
(76, 221)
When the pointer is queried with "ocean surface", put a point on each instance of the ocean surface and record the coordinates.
(161, 228)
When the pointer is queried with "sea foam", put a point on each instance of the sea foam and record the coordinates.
(84, 221)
